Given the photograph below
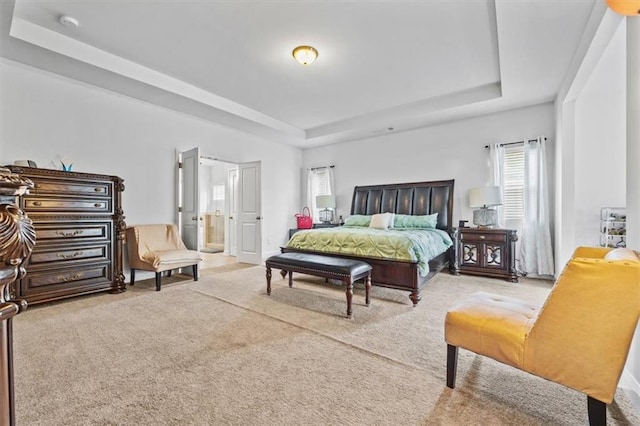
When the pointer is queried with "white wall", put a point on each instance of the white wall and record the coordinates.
(600, 142)
(448, 151)
(591, 117)
(45, 116)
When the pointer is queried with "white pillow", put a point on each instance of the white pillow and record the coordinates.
(381, 220)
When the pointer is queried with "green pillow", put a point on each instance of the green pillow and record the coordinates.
(358, 220)
(407, 221)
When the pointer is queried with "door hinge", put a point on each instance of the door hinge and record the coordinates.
(179, 209)
(179, 164)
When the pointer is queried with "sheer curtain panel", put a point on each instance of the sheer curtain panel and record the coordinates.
(536, 250)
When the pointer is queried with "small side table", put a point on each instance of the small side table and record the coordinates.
(487, 252)
(315, 226)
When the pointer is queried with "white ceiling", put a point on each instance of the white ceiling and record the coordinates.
(381, 64)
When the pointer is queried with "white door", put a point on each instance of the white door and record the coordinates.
(232, 197)
(249, 215)
(190, 199)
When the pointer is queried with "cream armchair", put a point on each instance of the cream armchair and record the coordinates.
(579, 338)
(158, 248)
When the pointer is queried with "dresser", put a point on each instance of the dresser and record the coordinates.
(79, 226)
(17, 239)
(486, 252)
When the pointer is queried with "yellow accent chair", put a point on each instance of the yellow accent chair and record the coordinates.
(579, 338)
(158, 248)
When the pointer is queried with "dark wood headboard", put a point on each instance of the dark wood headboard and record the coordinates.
(418, 198)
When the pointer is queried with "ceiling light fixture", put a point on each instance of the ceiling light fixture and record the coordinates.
(305, 54)
(68, 21)
(625, 7)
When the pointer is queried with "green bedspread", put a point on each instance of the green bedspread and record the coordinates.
(416, 245)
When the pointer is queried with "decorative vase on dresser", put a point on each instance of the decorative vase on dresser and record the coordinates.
(17, 239)
(487, 252)
(80, 227)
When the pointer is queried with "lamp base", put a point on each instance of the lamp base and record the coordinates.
(485, 218)
(326, 216)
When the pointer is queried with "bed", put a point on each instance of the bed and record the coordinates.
(418, 198)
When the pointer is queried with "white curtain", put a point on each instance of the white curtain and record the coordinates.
(535, 250)
(496, 154)
(320, 181)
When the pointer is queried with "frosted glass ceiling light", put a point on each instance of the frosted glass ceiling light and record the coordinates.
(305, 54)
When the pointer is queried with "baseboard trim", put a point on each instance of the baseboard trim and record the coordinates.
(631, 385)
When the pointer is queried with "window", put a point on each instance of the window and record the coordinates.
(514, 182)
(319, 184)
(218, 192)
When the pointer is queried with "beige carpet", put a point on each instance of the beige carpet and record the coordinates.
(222, 352)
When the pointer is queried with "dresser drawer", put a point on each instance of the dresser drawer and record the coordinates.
(70, 232)
(67, 205)
(60, 256)
(494, 237)
(71, 187)
(38, 286)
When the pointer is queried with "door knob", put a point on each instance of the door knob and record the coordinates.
(259, 217)
(194, 218)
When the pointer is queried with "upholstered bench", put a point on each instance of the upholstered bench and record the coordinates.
(346, 270)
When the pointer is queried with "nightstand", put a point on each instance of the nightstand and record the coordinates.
(315, 226)
(487, 252)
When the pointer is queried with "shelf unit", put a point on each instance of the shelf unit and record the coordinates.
(613, 227)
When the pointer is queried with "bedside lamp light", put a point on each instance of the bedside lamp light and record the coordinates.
(328, 203)
(485, 197)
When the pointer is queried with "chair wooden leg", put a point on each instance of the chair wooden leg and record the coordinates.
(195, 272)
(597, 412)
(158, 278)
(133, 277)
(452, 365)
(169, 272)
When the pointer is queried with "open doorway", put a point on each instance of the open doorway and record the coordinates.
(219, 210)
(216, 206)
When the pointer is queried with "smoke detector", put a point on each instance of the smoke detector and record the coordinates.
(68, 21)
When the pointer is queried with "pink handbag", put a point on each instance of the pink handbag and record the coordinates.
(304, 219)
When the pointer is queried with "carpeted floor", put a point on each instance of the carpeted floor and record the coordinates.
(220, 351)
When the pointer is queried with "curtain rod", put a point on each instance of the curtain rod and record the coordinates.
(322, 167)
(516, 143)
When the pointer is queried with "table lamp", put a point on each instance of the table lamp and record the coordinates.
(327, 203)
(485, 197)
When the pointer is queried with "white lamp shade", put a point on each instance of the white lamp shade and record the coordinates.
(485, 196)
(326, 202)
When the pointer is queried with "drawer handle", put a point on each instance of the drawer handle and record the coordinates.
(97, 205)
(65, 278)
(69, 234)
(97, 189)
(482, 237)
(37, 203)
(70, 256)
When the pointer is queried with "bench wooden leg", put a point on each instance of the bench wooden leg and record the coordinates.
(283, 273)
(349, 285)
(290, 279)
(367, 289)
(269, 280)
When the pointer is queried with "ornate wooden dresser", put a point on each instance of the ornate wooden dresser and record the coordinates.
(79, 226)
(17, 238)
